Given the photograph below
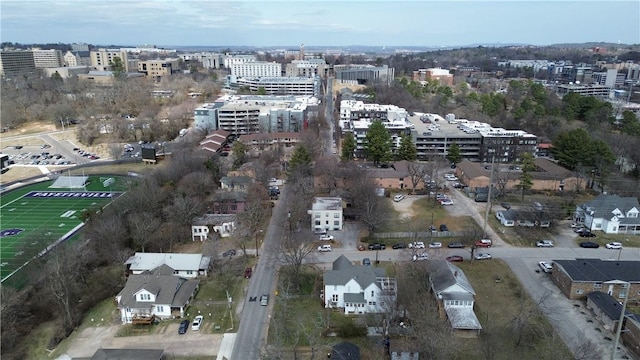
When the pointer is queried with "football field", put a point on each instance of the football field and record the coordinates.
(34, 217)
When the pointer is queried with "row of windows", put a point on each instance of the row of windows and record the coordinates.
(335, 223)
(335, 215)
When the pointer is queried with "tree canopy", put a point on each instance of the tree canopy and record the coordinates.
(407, 149)
(454, 154)
(348, 146)
(300, 162)
(577, 148)
(378, 143)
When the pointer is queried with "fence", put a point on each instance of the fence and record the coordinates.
(417, 235)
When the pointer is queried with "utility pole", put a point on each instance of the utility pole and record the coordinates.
(627, 286)
(486, 213)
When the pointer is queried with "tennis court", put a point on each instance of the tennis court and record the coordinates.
(37, 216)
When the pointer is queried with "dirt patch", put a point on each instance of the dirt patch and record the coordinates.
(34, 127)
(18, 172)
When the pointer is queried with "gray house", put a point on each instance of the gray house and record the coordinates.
(610, 213)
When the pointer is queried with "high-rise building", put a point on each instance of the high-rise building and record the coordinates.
(79, 47)
(47, 58)
(16, 61)
(157, 69)
(257, 69)
(102, 59)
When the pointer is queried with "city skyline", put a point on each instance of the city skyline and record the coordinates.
(328, 23)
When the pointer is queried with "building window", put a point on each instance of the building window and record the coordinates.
(189, 272)
(336, 216)
(336, 223)
(579, 291)
(144, 297)
(622, 294)
(597, 285)
(334, 297)
(159, 309)
(371, 293)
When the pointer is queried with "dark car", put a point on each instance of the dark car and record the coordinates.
(366, 262)
(399, 246)
(184, 325)
(377, 246)
(443, 227)
(229, 253)
(455, 245)
(586, 234)
(589, 245)
(247, 273)
(505, 205)
(455, 258)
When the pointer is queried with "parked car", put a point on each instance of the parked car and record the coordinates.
(324, 248)
(377, 246)
(587, 234)
(326, 237)
(455, 258)
(231, 252)
(482, 256)
(416, 245)
(578, 230)
(443, 227)
(398, 197)
(264, 300)
(589, 245)
(184, 325)
(247, 273)
(432, 228)
(458, 185)
(319, 231)
(420, 257)
(197, 322)
(455, 245)
(483, 243)
(537, 206)
(505, 205)
(446, 202)
(614, 245)
(435, 245)
(544, 243)
(399, 246)
(366, 262)
(545, 266)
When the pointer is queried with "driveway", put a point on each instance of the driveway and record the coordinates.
(193, 343)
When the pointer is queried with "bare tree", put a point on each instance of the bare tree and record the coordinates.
(293, 252)
(252, 219)
(585, 349)
(417, 172)
(142, 225)
(183, 209)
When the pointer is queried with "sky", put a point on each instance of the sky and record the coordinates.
(319, 23)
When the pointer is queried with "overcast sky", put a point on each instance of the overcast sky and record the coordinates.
(319, 23)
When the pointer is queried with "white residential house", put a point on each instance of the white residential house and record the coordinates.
(506, 217)
(610, 213)
(455, 296)
(326, 213)
(221, 224)
(188, 266)
(157, 293)
(358, 289)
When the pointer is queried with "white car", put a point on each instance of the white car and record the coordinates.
(416, 245)
(545, 266)
(435, 245)
(544, 243)
(446, 202)
(398, 197)
(420, 257)
(614, 245)
(197, 322)
(326, 237)
(482, 256)
(324, 248)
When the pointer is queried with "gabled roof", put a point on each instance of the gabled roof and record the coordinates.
(345, 351)
(354, 298)
(127, 354)
(445, 275)
(472, 170)
(604, 205)
(214, 219)
(343, 272)
(600, 270)
(609, 306)
(235, 180)
(396, 170)
(226, 196)
(150, 261)
(168, 289)
(512, 214)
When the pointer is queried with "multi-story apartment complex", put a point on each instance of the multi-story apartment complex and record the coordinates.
(610, 78)
(102, 59)
(277, 85)
(238, 59)
(249, 114)
(364, 74)
(47, 58)
(441, 75)
(157, 69)
(208, 60)
(256, 69)
(16, 61)
(75, 47)
(307, 68)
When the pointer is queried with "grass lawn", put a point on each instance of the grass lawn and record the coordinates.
(36, 216)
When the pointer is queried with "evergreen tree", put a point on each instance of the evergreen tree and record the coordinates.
(348, 147)
(118, 68)
(526, 179)
(454, 154)
(300, 163)
(407, 150)
(378, 143)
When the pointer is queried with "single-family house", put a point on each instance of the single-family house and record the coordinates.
(358, 289)
(523, 217)
(547, 175)
(228, 202)
(579, 277)
(345, 351)
(235, 183)
(184, 265)
(455, 297)
(506, 217)
(610, 213)
(155, 294)
(396, 175)
(126, 354)
(326, 213)
(221, 224)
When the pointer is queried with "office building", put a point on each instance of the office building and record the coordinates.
(256, 69)
(277, 85)
(442, 76)
(307, 68)
(102, 59)
(47, 58)
(365, 74)
(238, 59)
(14, 62)
(157, 69)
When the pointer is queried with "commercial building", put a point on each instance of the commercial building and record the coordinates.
(277, 85)
(157, 69)
(600, 91)
(365, 74)
(238, 59)
(16, 61)
(102, 59)
(256, 69)
(67, 71)
(208, 60)
(307, 68)
(443, 76)
(47, 58)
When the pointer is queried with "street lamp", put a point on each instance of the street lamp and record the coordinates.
(486, 214)
(626, 286)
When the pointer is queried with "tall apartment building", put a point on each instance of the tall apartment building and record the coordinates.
(257, 69)
(79, 47)
(156, 69)
(278, 85)
(610, 78)
(307, 68)
(16, 61)
(208, 60)
(365, 74)
(238, 59)
(101, 59)
(47, 58)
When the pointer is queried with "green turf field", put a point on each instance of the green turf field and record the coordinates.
(36, 216)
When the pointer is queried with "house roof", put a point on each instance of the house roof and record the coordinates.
(149, 261)
(327, 203)
(396, 170)
(235, 180)
(343, 272)
(127, 354)
(604, 205)
(354, 298)
(609, 306)
(214, 219)
(444, 275)
(600, 270)
(168, 289)
(237, 196)
(512, 214)
(472, 170)
(345, 351)
(463, 318)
